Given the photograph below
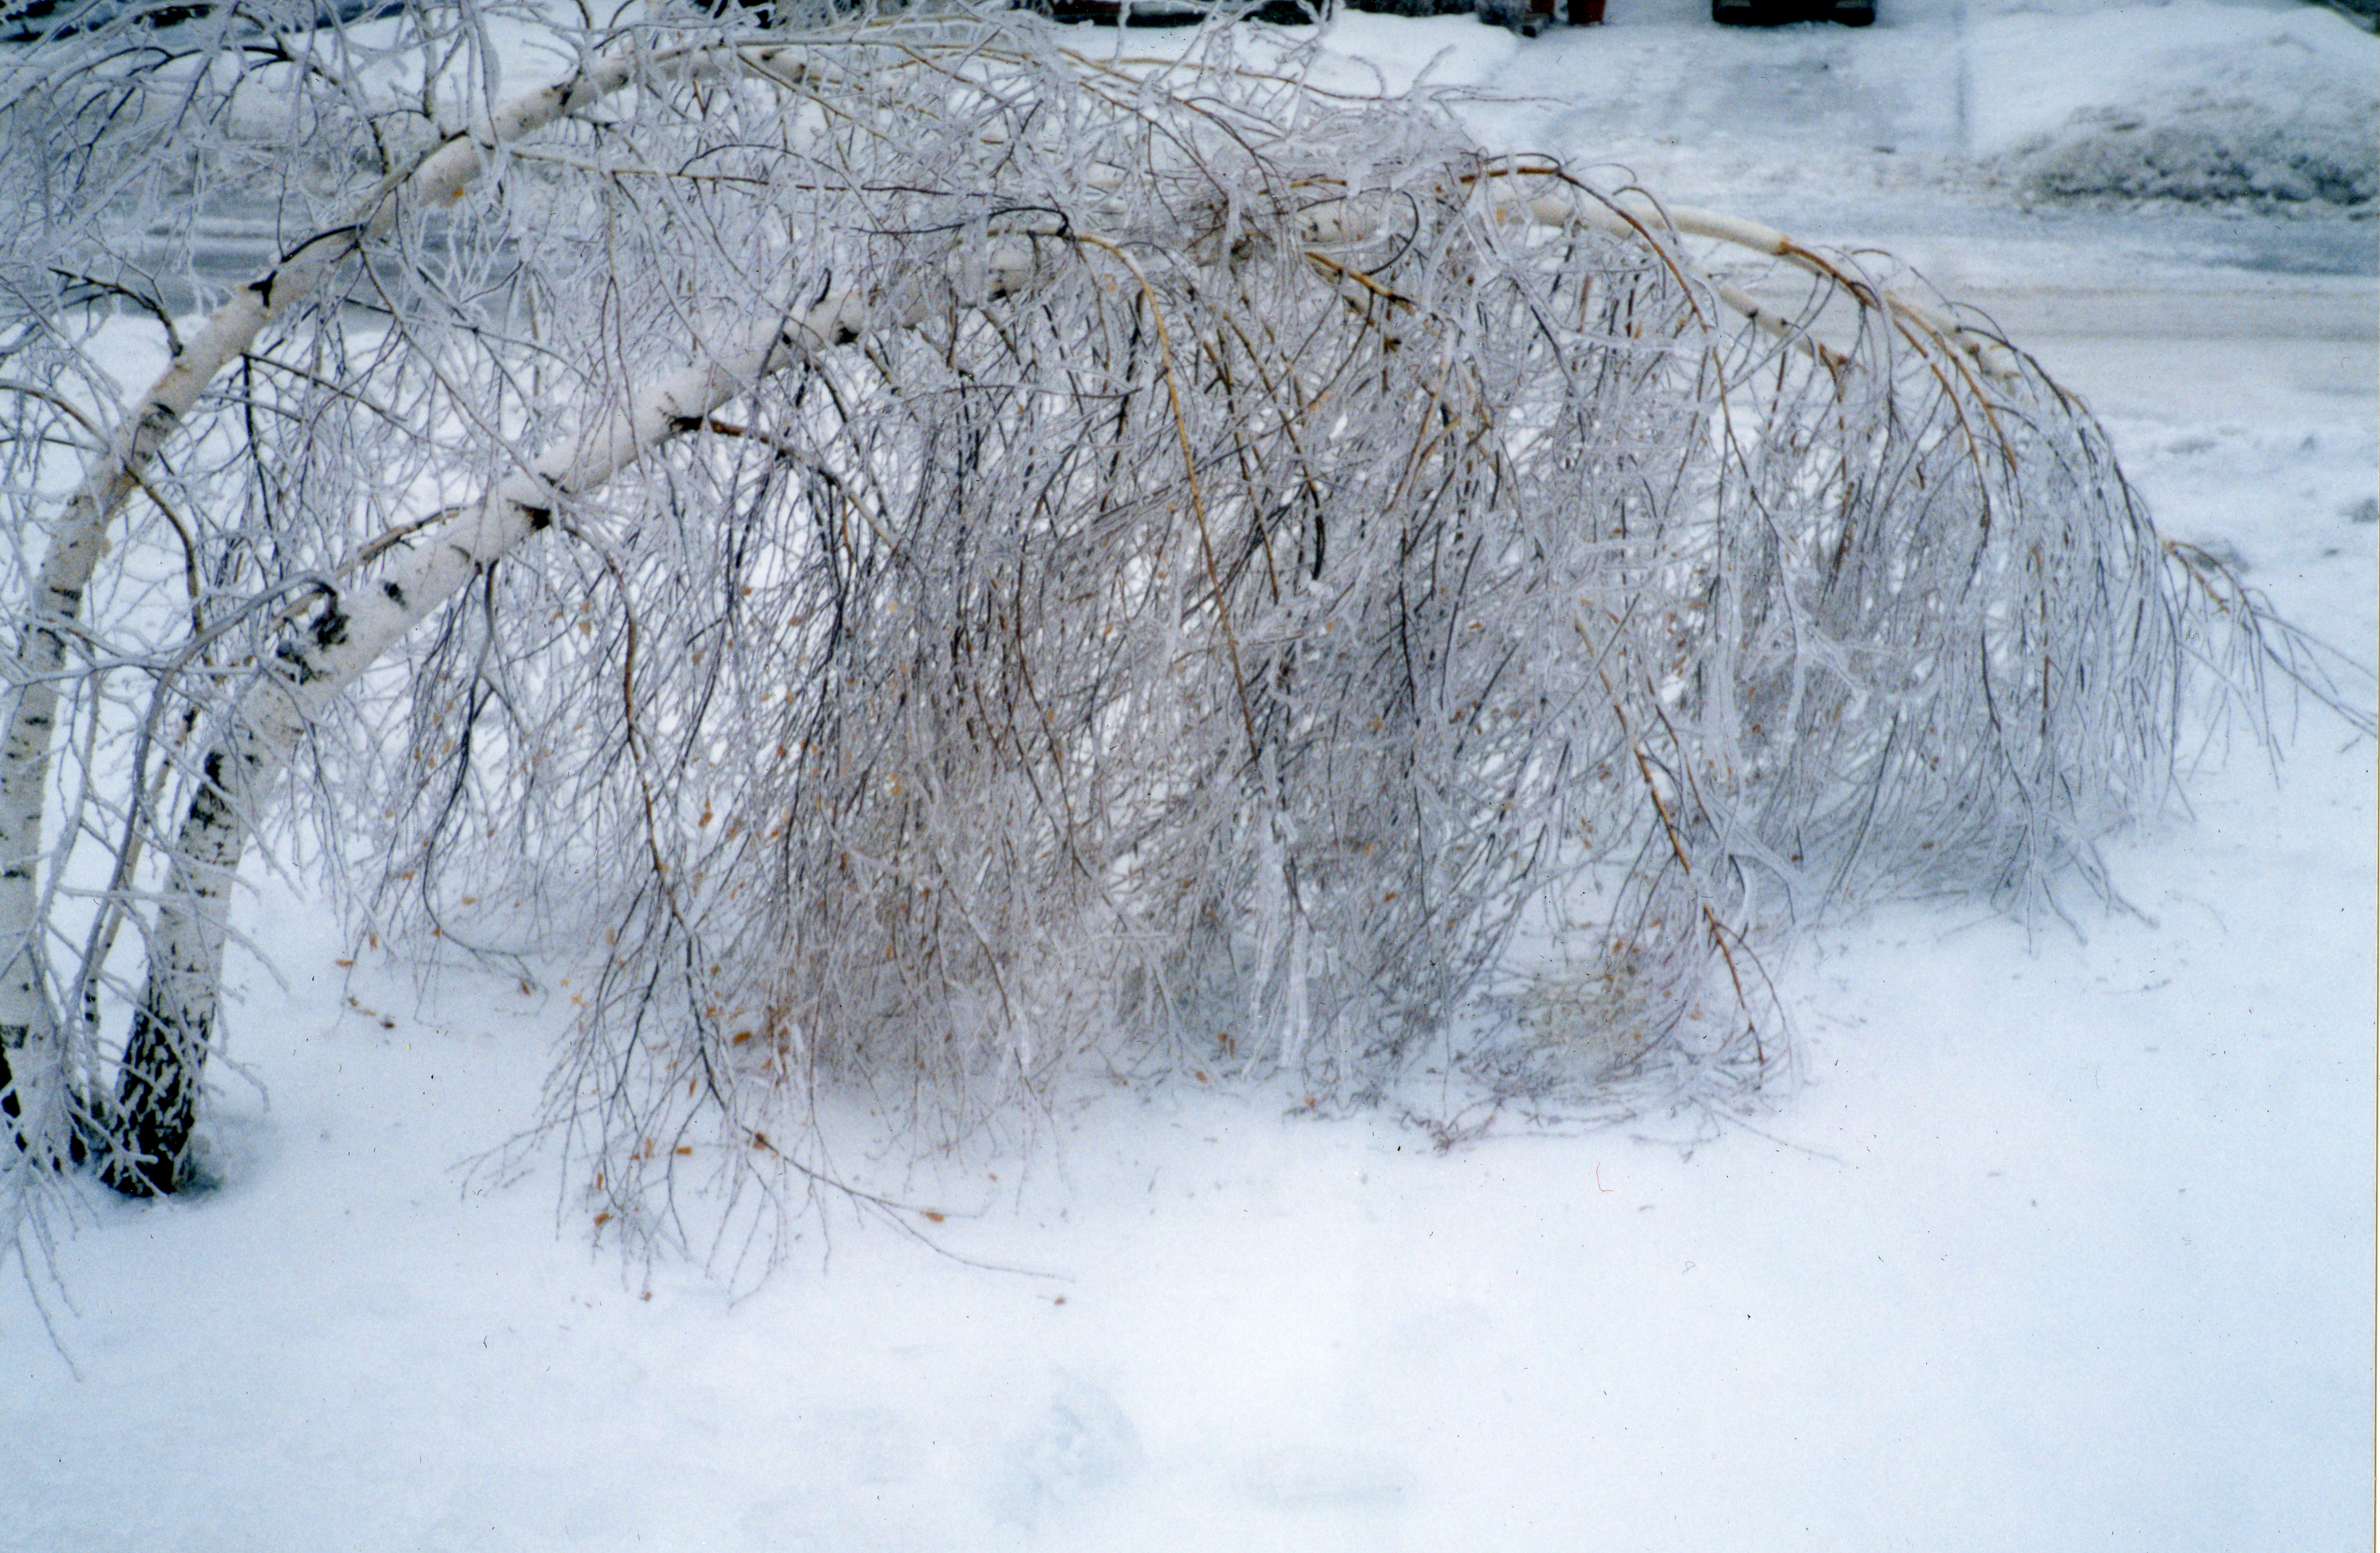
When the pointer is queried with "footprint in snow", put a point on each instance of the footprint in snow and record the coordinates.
(1078, 1444)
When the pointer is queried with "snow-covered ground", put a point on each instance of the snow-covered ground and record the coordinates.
(2064, 1243)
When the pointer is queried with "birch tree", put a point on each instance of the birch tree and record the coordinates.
(949, 556)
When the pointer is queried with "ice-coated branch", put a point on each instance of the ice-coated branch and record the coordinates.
(350, 629)
(1257, 560)
(81, 535)
(1633, 212)
(344, 635)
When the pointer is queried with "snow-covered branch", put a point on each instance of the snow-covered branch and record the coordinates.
(344, 635)
(81, 535)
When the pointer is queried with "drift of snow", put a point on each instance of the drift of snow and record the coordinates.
(2183, 103)
(2059, 1246)
(2193, 100)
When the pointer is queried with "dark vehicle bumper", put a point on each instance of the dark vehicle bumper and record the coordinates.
(1775, 13)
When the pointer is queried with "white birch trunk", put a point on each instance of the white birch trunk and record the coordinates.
(31, 1051)
(157, 1085)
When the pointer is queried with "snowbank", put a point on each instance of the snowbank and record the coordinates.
(2225, 100)
(2192, 101)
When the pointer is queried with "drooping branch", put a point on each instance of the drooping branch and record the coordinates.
(351, 628)
(346, 633)
(48, 620)
(1256, 557)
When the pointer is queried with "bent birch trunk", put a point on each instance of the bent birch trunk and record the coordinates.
(164, 1059)
(31, 1050)
(175, 1022)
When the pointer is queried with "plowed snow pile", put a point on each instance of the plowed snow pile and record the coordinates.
(2192, 101)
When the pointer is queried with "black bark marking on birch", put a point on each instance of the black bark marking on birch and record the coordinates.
(157, 1085)
(211, 804)
(331, 628)
(262, 286)
(156, 1093)
(396, 594)
(300, 667)
(539, 520)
